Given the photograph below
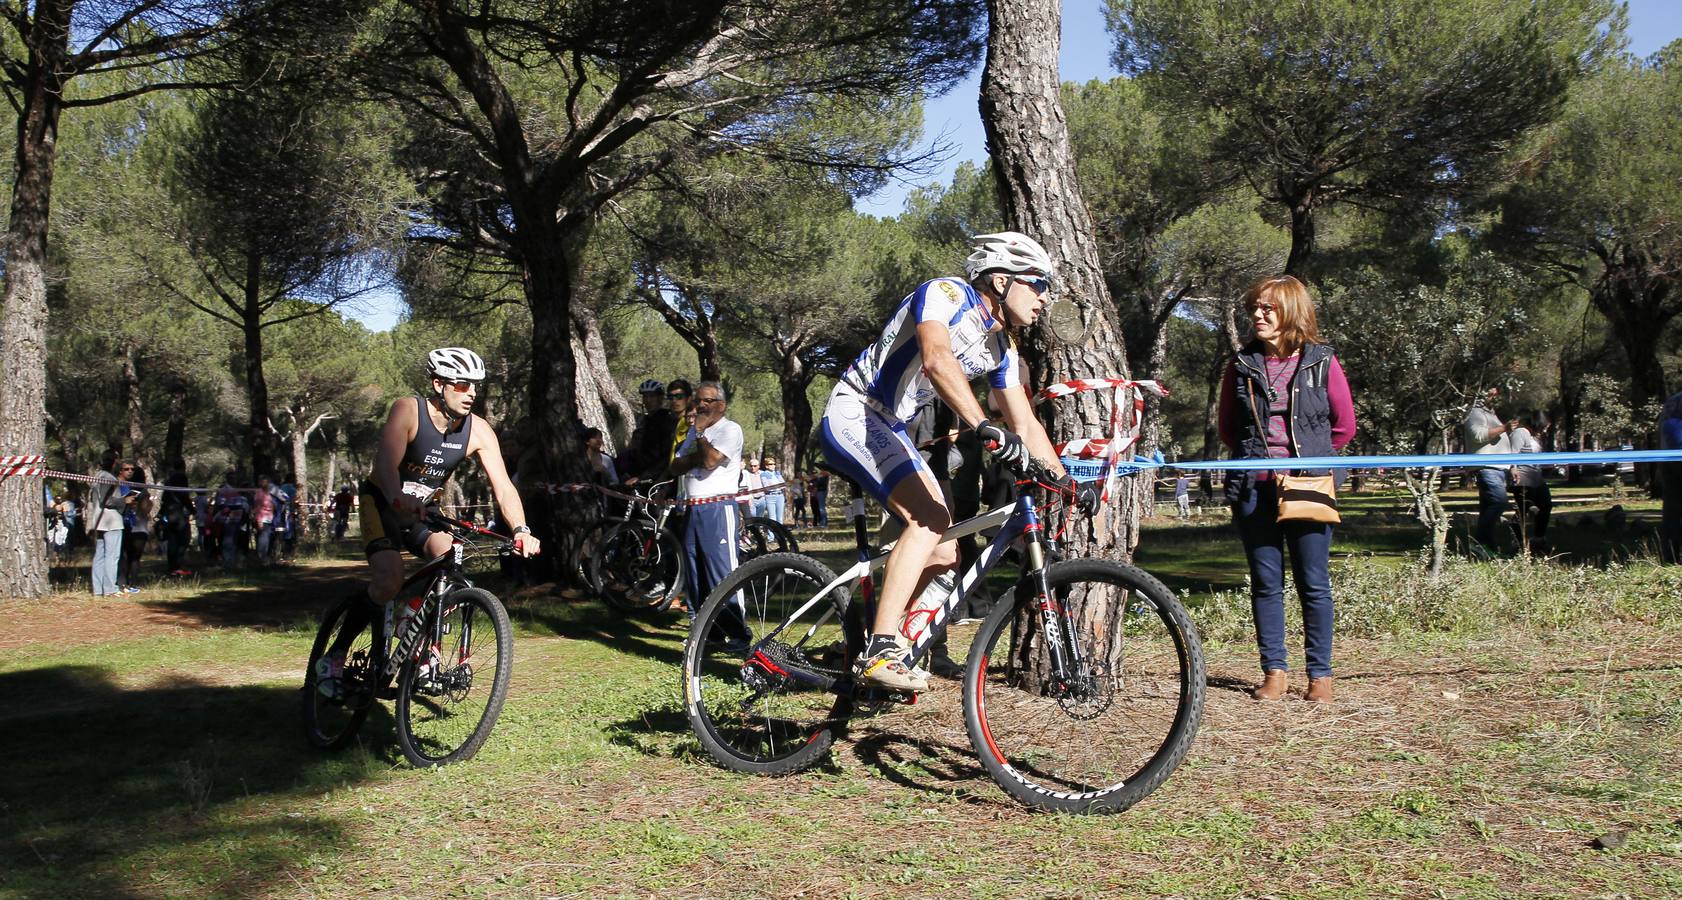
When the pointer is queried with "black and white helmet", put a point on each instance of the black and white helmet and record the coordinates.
(1007, 251)
(652, 386)
(455, 364)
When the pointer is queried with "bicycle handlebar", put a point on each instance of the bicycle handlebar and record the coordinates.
(436, 518)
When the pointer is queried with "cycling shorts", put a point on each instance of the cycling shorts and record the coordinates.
(866, 445)
(383, 529)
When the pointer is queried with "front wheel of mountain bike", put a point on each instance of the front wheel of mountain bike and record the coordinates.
(766, 671)
(1101, 738)
(450, 693)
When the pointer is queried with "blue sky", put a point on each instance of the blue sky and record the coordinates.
(955, 118)
(1086, 55)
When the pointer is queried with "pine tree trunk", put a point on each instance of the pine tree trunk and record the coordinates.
(549, 269)
(331, 485)
(793, 378)
(134, 430)
(259, 435)
(175, 435)
(1035, 169)
(1302, 238)
(23, 318)
(601, 403)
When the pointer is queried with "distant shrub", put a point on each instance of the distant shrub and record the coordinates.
(1375, 599)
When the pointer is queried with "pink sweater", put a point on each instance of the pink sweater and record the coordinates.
(1337, 393)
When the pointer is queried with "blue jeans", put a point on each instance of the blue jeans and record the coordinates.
(107, 547)
(774, 506)
(1670, 516)
(1310, 543)
(1492, 502)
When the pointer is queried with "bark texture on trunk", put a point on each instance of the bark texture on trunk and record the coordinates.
(1035, 168)
(794, 377)
(134, 428)
(175, 435)
(331, 485)
(549, 285)
(23, 317)
(1029, 140)
(259, 433)
(601, 403)
(1302, 238)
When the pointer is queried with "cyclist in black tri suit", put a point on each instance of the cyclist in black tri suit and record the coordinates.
(422, 443)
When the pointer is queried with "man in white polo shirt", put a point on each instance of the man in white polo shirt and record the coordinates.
(710, 464)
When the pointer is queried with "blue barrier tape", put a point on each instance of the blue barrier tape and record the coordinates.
(1089, 469)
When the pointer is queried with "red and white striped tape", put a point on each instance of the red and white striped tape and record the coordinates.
(21, 464)
(1124, 429)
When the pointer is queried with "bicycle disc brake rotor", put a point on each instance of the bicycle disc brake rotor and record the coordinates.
(1090, 696)
(457, 682)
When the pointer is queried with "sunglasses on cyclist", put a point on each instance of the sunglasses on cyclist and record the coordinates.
(1038, 285)
(460, 387)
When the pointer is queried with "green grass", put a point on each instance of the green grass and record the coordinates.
(167, 760)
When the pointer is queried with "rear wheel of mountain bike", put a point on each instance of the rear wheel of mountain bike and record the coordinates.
(638, 567)
(1114, 731)
(762, 700)
(761, 535)
(448, 698)
(336, 703)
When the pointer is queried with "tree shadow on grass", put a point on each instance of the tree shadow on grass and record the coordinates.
(161, 790)
(648, 635)
(653, 732)
(921, 764)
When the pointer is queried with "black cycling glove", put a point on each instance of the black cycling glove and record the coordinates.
(1007, 447)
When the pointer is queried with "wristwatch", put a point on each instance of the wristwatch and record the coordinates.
(521, 529)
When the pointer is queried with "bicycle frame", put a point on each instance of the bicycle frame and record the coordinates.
(1016, 520)
(440, 576)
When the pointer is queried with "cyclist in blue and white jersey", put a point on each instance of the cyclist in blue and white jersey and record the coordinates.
(946, 333)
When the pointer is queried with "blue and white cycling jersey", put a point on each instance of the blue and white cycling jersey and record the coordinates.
(890, 371)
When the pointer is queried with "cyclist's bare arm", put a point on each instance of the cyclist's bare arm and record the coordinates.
(401, 426)
(944, 371)
(485, 445)
(1019, 417)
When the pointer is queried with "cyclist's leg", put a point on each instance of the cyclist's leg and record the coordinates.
(918, 555)
(876, 453)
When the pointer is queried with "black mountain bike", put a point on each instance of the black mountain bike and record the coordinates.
(451, 662)
(1083, 688)
(638, 563)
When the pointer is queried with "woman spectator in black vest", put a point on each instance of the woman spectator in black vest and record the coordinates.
(1284, 395)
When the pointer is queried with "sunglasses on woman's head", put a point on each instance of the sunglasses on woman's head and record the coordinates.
(677, 395)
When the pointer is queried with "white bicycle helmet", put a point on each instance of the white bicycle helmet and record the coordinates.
(1007, 251)
(455, 364)
(651, 386)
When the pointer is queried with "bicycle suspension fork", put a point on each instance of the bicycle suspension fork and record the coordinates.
(1057, 623)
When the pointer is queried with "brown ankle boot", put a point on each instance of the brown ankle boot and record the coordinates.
(1273, 685)
(1320, 689)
